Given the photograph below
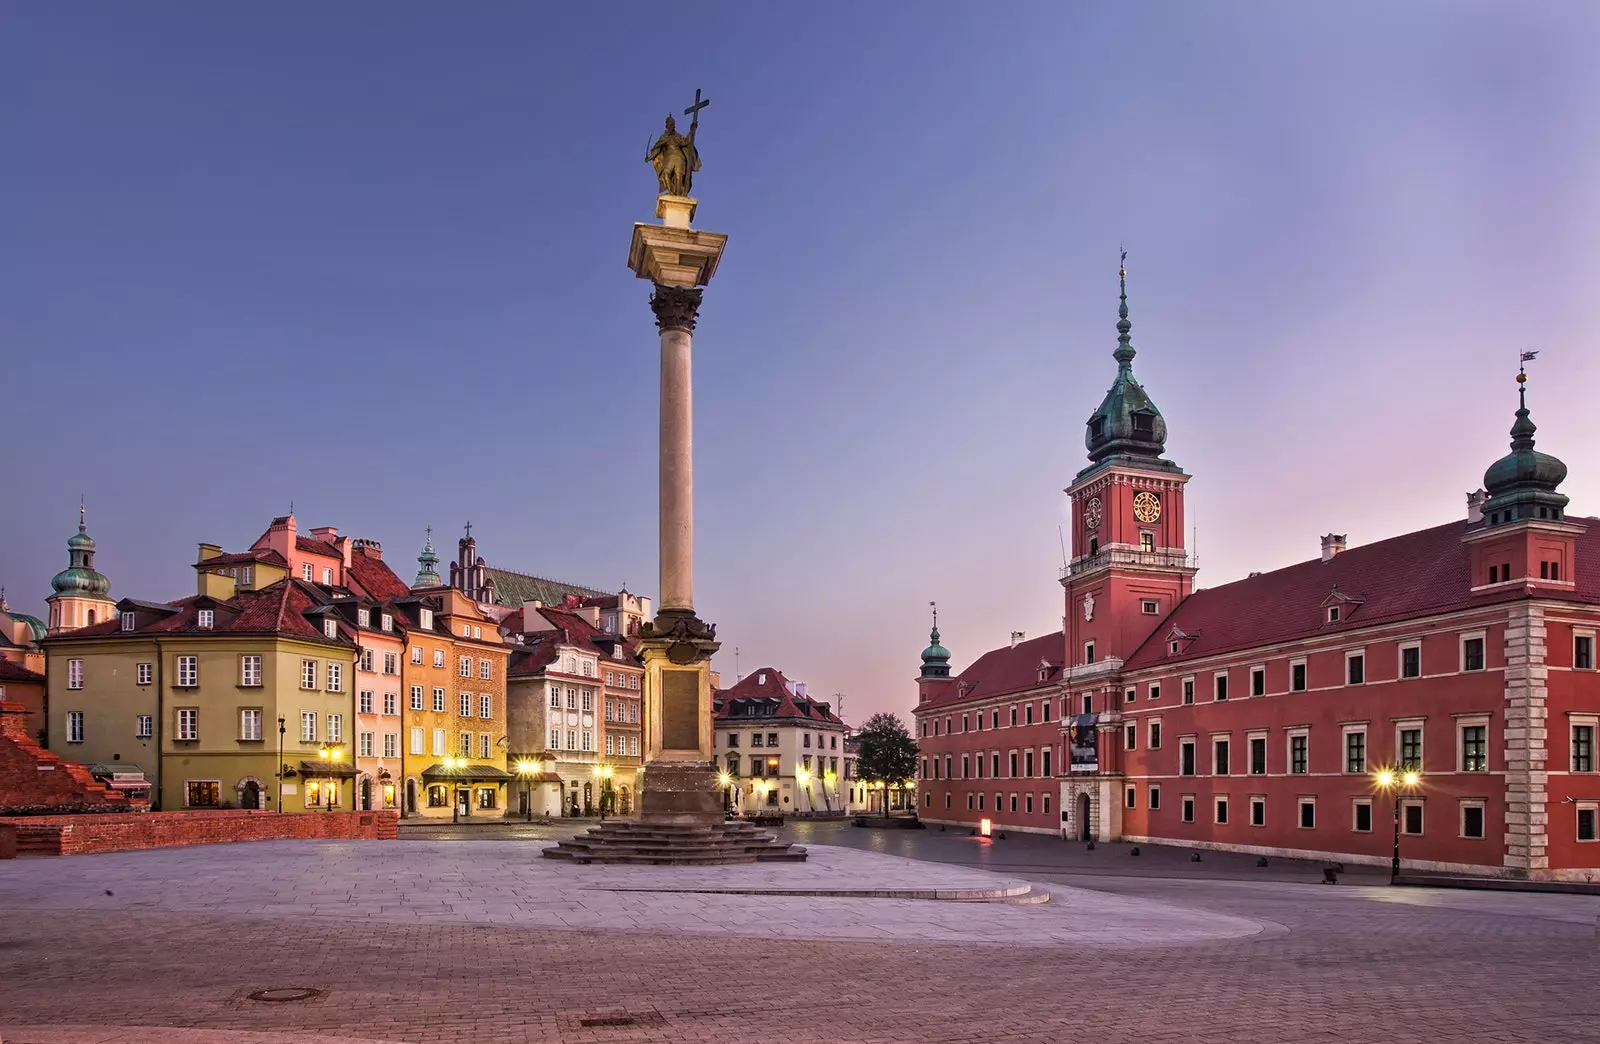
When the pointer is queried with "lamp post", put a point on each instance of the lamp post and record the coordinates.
(525, 769)
(802, 779)
(329, 756)
(830, 778)
(1391, 782)
(725, 781)
(602, 780)
(450, 765)
(282, 728)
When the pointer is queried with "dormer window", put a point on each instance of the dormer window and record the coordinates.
(386, 622)
(425, 618)
(246, 575)
(1333, 614)
(1144, 424)
(1173, 649)
(1097, 427)
(204, 619)
(364, 617)
(330, 627)
(129, 621)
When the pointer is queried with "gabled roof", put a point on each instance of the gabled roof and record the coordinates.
(313, 546)
(264, 555)
(1405, 577)
(763, 695)
(512, 588)
(999, 672)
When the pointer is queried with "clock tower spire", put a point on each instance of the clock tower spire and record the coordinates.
(1129, 567)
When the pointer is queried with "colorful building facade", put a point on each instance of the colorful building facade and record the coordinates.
(781, 752)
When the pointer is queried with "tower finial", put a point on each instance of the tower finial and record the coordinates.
(1522, 428)
(935, 607)
(1124, 353)
(82, 526)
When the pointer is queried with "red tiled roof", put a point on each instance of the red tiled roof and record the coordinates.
(278, 609)
(1002, 671)
(311, 545)
(1418, 574)
(15, 672)
(375, 577)
(260, 554)
(534, 656)
(766, 685)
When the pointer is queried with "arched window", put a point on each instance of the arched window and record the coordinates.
(733, 764)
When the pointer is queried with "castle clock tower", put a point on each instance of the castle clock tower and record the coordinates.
(1129, 565)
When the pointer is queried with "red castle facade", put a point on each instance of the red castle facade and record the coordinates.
(1267, 715)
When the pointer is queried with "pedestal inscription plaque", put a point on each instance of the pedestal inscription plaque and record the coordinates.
(680, 710)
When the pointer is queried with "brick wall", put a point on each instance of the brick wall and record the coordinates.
(81, 834)
(34, 781)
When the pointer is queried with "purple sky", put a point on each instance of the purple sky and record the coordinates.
(371, 258)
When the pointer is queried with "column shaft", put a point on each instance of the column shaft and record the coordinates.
(677, 471)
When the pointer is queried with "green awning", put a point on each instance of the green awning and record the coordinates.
(467, 773)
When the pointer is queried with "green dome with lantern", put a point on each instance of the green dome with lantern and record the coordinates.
(80, 577)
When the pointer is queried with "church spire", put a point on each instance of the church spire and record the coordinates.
(1522, 484)
(1124, 352)
(1127, 424)
(935, 658)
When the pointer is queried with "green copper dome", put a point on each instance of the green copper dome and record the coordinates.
(1127, 423)
(1522, 484)
(428, 565)
(80, 576)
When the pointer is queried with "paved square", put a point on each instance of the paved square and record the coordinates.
(440, 941)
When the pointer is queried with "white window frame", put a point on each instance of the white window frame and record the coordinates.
(438, 699)
(75, 674)
(1405, 826)
(485, 670)
(363, 617)
(1194, 759)
(1351, 655)
(1592, 807)
(1257, 670)
(146, 673)
(365, 744)
(1153, 691)
(1581, 633)
(1401, 727)
(1301, 731)
(441, 743)
(188, 672)
(1305, 671)
(1462, 723)
(250, 671)
(188, 727)
(144, 726)
(74, 726)
(1088, 652)
(1345, 733)
(1221, 737)
(335, 677)
(463, 704)
(129, 621)
(1150, 606)
(336, 728)
(1333, 614)
(330, 627)
(1186, 693)
(391, 744)
(1461, 650)
(416, 654)
(485, 705)
(327, 575)
(1301, 801)
(1461, 818)
(425, 619)
(364, 701)
(1186, 805)
(1219, 817)
(205, 619)
(1400, 660)
(1355, 821)
(419, 740)
(1257, 801)
(464, 666)
(308, 675)
(308, 726)
(1152, 797)
(1152, 733)
(307, 572)
(1249, 752)
(249, 724)
(438, 657)
(391, 704)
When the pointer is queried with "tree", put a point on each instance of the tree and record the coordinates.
(887, 754)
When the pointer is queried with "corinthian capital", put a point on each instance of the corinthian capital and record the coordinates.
(675, 306)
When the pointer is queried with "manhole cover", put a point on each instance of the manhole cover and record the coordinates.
(615, 1020)
(282, 994)
(610, 1020)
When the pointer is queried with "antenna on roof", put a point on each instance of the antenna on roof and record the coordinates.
(1063, 538)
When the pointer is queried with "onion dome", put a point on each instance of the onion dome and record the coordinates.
(935, 658)
(80, 576)
(1522, 484)
(1127, 423)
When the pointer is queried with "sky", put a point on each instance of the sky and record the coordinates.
(370, 258)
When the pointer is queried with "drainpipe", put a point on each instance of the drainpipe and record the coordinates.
(161, 724)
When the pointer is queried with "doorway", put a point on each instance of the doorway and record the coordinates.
(366, 793)
(250, 794)
(1084, 833)
(411, 797)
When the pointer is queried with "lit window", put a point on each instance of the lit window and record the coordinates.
(1474, 749)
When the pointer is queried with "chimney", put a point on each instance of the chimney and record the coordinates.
(800, 689)
(1475, 506)
(761, 679)
(1017, 636)
(209, 551)
(1332, 544)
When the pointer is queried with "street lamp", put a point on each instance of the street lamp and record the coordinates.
(282, 728)
(526, 769)
(1392, 782)
(329, 756)
(602, 777)
(802, 779)
(450, 766)
(725, 781)
(830, 778)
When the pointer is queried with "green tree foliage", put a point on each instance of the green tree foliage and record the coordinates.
(888, 754)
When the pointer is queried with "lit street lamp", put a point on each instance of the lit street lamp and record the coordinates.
(802, 778)
(526, 769)
(1391, 782)
(725, 780)
(450, 765)
(329, 756)
(830, 778)
(602, 775)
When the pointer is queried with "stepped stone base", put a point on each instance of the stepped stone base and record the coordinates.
(698, 843)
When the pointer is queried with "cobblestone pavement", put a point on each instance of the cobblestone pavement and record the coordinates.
(1349, 963)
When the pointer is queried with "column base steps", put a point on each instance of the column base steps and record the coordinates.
(661, 844)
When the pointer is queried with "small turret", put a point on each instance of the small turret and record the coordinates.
(427, 565)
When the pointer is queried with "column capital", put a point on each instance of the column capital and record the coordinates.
(676, 307)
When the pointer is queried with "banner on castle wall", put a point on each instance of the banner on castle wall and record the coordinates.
(1083, 744)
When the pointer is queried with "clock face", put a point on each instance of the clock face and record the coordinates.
(1146, 506)
(1093, 513)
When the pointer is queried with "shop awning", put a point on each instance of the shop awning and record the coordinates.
(327, 770)
(467, 773)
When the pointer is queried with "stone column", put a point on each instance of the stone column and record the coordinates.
(676, 309)
(1527, 743)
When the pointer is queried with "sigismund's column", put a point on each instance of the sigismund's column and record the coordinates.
(679, 779)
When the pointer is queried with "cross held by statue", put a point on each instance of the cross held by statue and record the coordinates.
(693, 111)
